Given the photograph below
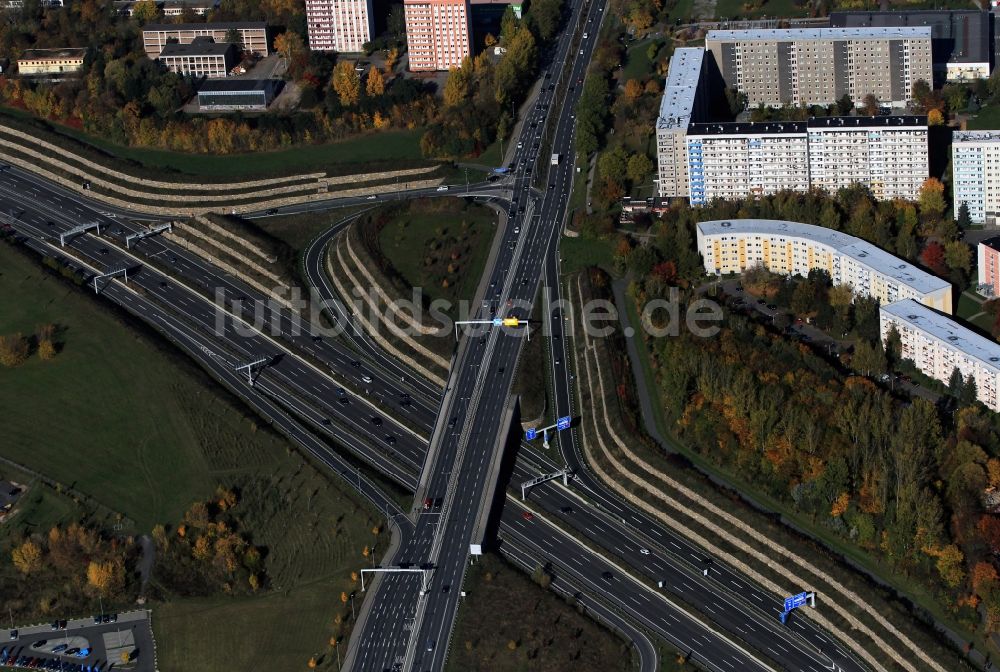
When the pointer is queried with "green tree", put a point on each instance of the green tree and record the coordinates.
(736, 99)
(964, 220)
(958, 256)
(639, 167)
(458, 86)
(970, 392)
(845, 105)
(869, 359)
(145, 11)
(233, 36)
(893, 345)
(931, 199)
(921, 91)
(955, 383)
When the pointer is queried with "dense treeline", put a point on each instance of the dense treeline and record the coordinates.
(906, 481)
(922, 232)
(126, 98)
(481, 96)
(66, 569)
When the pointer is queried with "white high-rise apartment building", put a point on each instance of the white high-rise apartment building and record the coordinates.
(438, 33)
(975, 166)
(792, 248)
(682, 103)
(339, 25)
(886, 154)
(705, 161)
(736, 160)
(938, 345)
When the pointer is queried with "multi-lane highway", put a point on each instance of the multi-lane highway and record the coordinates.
(300, 391)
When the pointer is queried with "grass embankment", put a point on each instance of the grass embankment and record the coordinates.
(504, 607)
(441, 246)
(136, 427)
(386, 150)
(822, 548)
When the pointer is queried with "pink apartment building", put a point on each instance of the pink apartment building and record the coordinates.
(339, 25)
(438, 33)
(989, 266)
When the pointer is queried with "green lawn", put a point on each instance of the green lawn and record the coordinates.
(431, 236)
(578, 253)
(377, 147)
(733, 9)
(988, 118)
(504, 606)
(682, 10)
(637, 62)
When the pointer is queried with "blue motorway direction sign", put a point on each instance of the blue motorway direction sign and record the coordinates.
(796, 601)
(563, 423)
(530, 434)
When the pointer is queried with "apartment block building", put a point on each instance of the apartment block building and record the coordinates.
(975, 163)
(704, 161)
(792, 248)
(683, 102)
(201, 58)
(339, 25)
(438, 33)
(736, 160)
(988, 253)
(938, 345)
(820, 65)
(253, 35)
(961, 39)
(886, 154)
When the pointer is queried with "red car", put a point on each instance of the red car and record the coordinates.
(528, 515)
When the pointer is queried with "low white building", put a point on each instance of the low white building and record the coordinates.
(937, 345)
(793, 248)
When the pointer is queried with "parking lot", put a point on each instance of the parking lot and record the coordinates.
(95, 644)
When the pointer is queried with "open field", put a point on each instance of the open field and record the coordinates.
(504, 606)
(130, 431)
(148, 440)
(441, 248)
(315, 534)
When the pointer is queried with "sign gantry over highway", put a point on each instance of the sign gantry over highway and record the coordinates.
(562, 423)
(796, 601)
